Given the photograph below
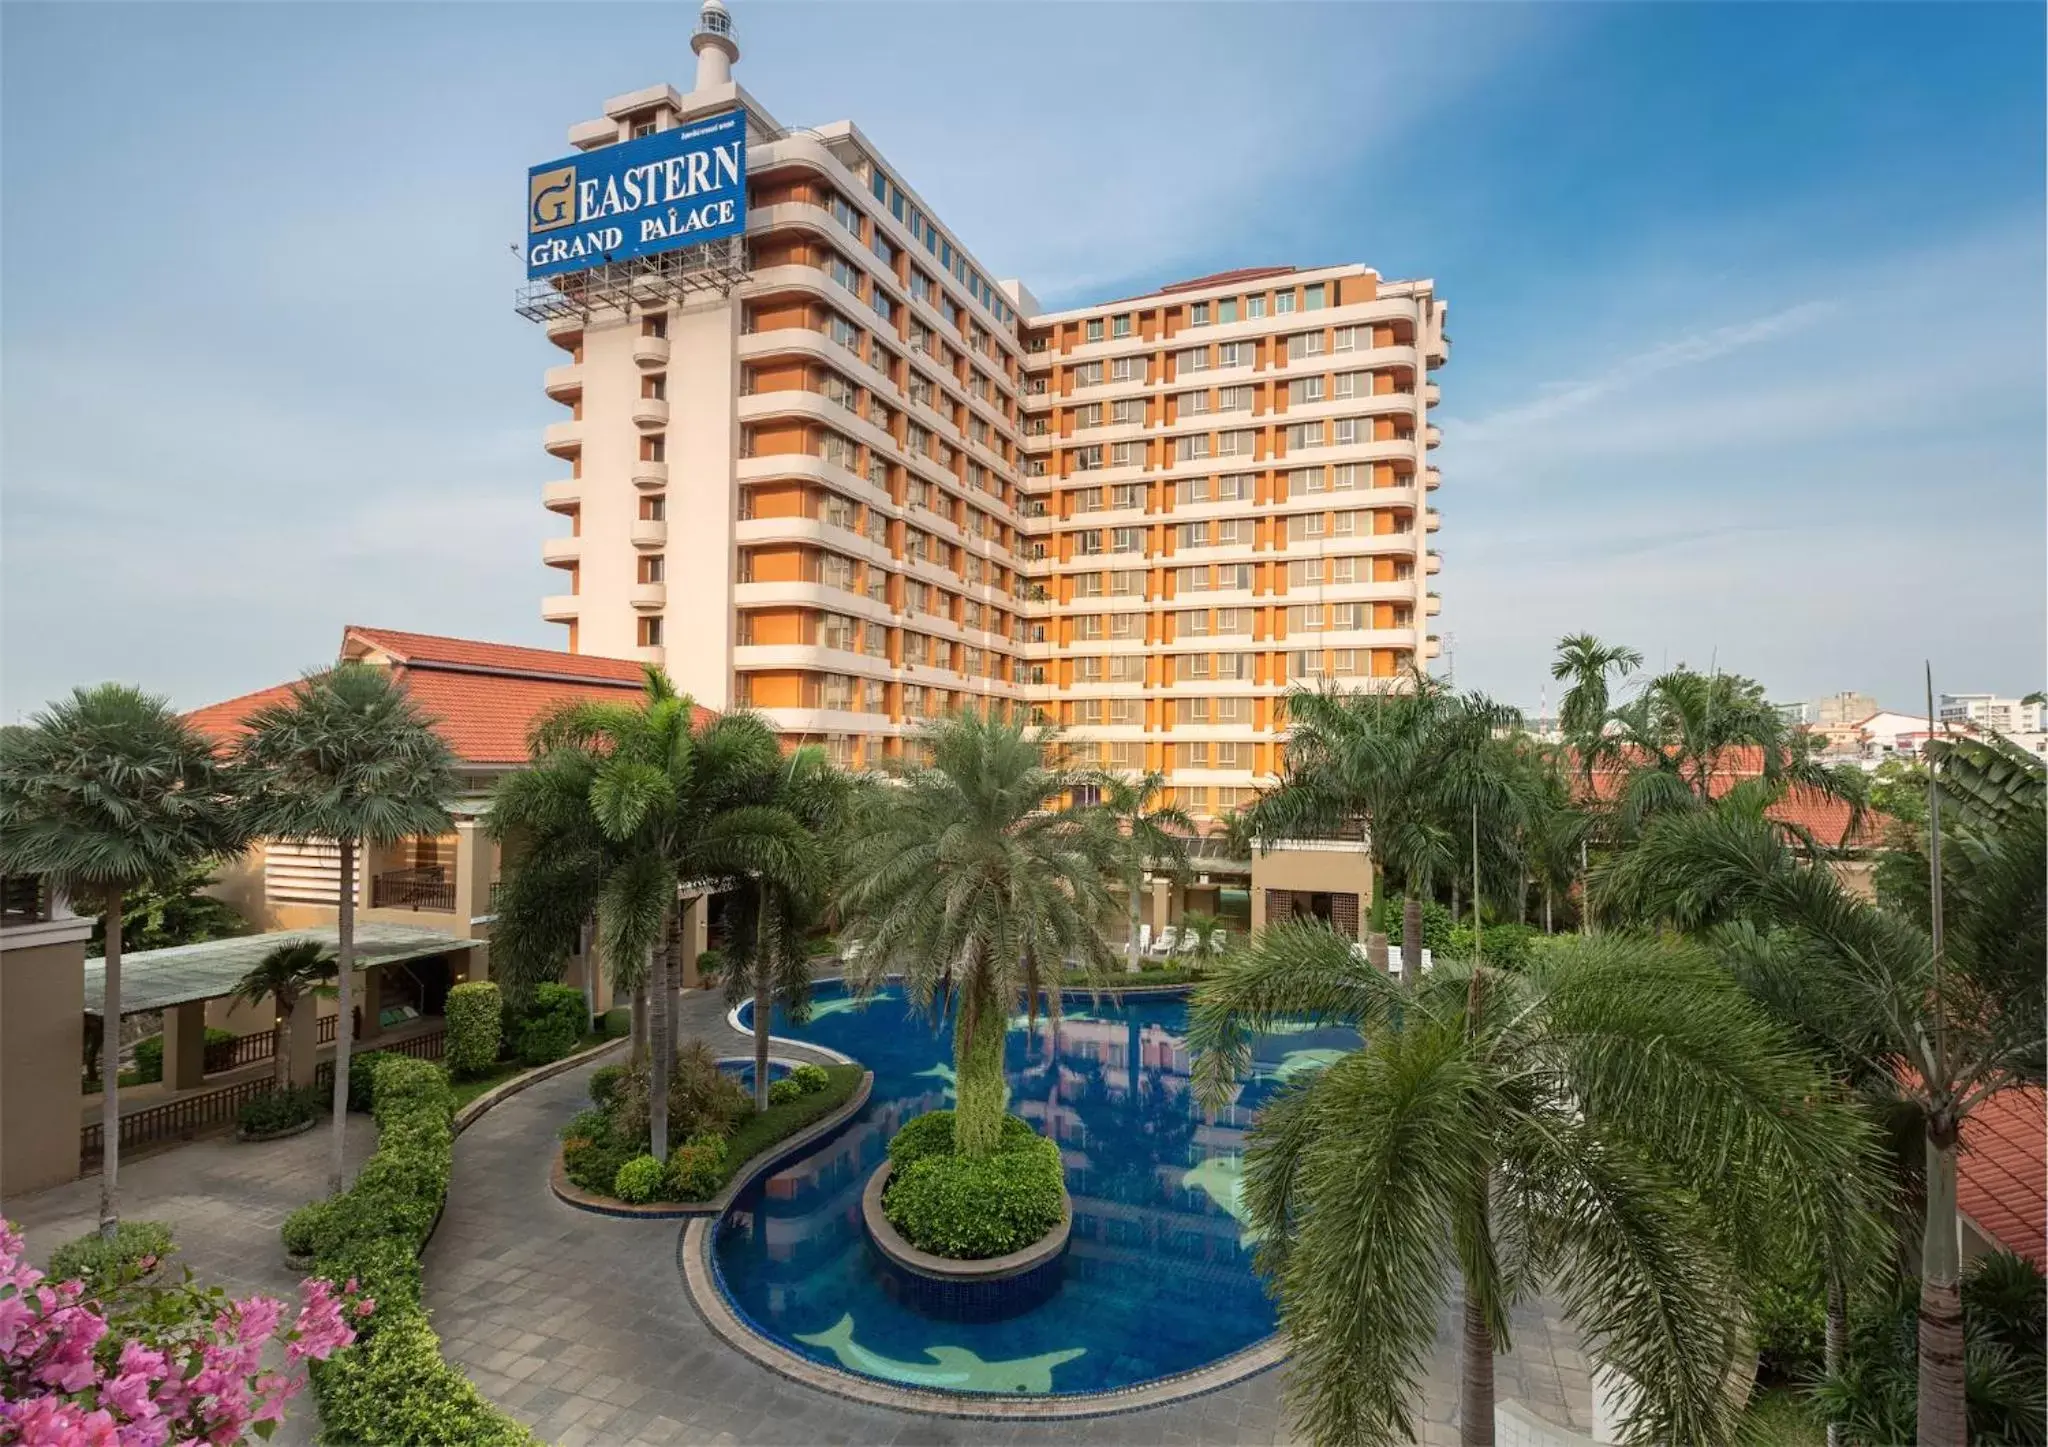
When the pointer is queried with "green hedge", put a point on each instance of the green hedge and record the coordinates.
(971, 1210)
(392, 1386)
(618, 1022)
(554, 1022)
(100, 1263)
(149, 1056)
(362, 1077)
(476, 1014)
(276, 1110)
(777, 1123)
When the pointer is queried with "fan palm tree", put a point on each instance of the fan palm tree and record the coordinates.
(1613, 1121)
(103, 794)
(345, 757)
(976, 884)
(1584, 663)
(770, 917)
(624, 805)
(286, 974)
(1150, 837)
(1940, 1010)
(1410, 766)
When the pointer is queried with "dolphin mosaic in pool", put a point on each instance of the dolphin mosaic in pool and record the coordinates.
(951, 1368)
(1158, 1278)
(823, 1009)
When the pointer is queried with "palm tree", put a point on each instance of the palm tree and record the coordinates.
(1409, 766)
(1937, 1010)
(1613, 1121)
(1582, 714)
(623, 806)
(346, 757)
(1149, 838)
(103, 794)
(293, 969)
(976, 883)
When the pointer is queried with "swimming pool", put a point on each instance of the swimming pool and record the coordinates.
(1158, 1278)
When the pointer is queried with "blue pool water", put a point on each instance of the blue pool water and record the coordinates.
(1158, 1278)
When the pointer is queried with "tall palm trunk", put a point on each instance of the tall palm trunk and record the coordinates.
(1546, 909)
(1131, 952)
(664, 1056)
(1943, 1418)
(1411, 936)
(1835, 1345)
(1475, 1376)
(764, 1007)
(639, 1046)
(281, 1038)
(344, 972)
(978, 1084)
(110, 1076)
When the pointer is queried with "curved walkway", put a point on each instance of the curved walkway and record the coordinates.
(579, 1324)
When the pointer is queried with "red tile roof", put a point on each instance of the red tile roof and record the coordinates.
(483, 698)
(1826, 819)
(1226, 278)
(2002, 1172)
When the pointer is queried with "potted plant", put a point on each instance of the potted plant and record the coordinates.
(710, 965)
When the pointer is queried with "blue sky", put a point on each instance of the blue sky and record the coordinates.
(1747, 301)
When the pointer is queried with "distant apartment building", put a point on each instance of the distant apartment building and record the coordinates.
(1989, 711)
(864, 483)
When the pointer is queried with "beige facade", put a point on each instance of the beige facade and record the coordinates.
(872, 484)
(1331, 881)
(42, 1044)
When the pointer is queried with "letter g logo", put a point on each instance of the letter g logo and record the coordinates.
(551, 200)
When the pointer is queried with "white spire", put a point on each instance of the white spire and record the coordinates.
(715, 47)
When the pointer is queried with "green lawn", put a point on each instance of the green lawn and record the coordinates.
(468, 1090)
(1781, 1417)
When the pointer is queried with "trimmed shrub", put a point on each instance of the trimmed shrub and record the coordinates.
(277, 1110)
(475, 1021)
(554, 1022)
(810, 1079)
(149, 1056)
(696, 1168)
(710, 963)
(971, 1210)
(931, 1134)
(393, 1386)
(782, 1092)
(301, 1230)
(362, 1075)
(618, 1022)
(638, 1181)
(1506, 946)
(101, 1264)
(604, 1084)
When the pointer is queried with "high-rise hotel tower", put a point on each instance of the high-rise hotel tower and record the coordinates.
(852, 481)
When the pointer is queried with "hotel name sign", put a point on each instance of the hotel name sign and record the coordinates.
(664, 191)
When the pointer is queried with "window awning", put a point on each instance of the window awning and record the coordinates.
(155, 979)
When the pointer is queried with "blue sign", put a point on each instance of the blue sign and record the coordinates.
(672, 189)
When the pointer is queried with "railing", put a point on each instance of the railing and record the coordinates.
(23, 899)
(413, 889)
(175, 1120)
(323, 1034)
(429, 1046)
(240, 1051)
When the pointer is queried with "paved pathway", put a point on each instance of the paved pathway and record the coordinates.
(579, 1324)
(223, 1202)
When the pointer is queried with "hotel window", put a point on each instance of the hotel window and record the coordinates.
(1088, 585)
(916, 439)
(1343, 570)
(1088, 374)
(1198, 314)
(1125, 626)
(1126, 540)
(1088, 416)
(1192, 535)
(650, 633)
(1234, 487)
(1347, 617)
(1344, 340)
(1126, 712)
(643, 128)
(1129, 413)
(835, 571)
(1232, 756)
(1226, 310)
(1307, 525)
(1088, 628)
(1306, 664)
(655, 386)
(1235, 354)
(1344, 524)
(1127, 369)
(1191, 756)
(1254, 306)
(1087, 459)
(835, 691)
(1304, 344)
(884, 252)
(837, 389)
(1283, 302)
(977, 664)
(1344, 662)
(1127, 668)
(1194, 359)
(1193, 623)
(1191, 710)
(1348, 431)
(874, 641)
(1120, 326)
(1305, 480)
(1088, 499)
(1095, 330)
(1191, 580)
(654, 325)
(921, 288)
(1088, 669)
(1312, 298)
(918, 493)
(1127, 583)
(883, 303)
(1304, 389)
(1192, 667)
(916, 648)
(843, 212)
(1192, 404)
(1088, 712)
(836, 511)
(1190, 449)
(1348, 476)
(839, 451)
(654, 509)
(1304, 434)
(1242, 443)
(1126, 756)
(1087, 543)
(1126, 495)
(1234, 399)
(874, 696)
(1194, 489)
(1305, 618)
(651, 568)
(1236, 667)
(654, 448)
(836, 630)
(843, 332)
(1233, 533)
(1126, 454)
(841, 270)
(1305, 572)
(1351, 384)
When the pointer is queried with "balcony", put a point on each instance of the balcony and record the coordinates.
(564, 494)
(1432, 435)
(563, 439)
(1433, 604)
(649, 596)
(1434, 563)
(561, 608)
(652, 653)
(650, 351)
(561, 552)
(1433, 519)
(648, 532)
(1432, 393)
(1432, 478)
(650, 474)
(414, 889)
(564, 383)
(650, 411)
(566, 332)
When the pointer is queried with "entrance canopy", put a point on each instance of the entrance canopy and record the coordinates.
(156, 979)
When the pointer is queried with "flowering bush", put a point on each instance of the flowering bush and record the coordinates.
(124, 1364)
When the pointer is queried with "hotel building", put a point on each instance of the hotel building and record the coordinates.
(863, 482)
